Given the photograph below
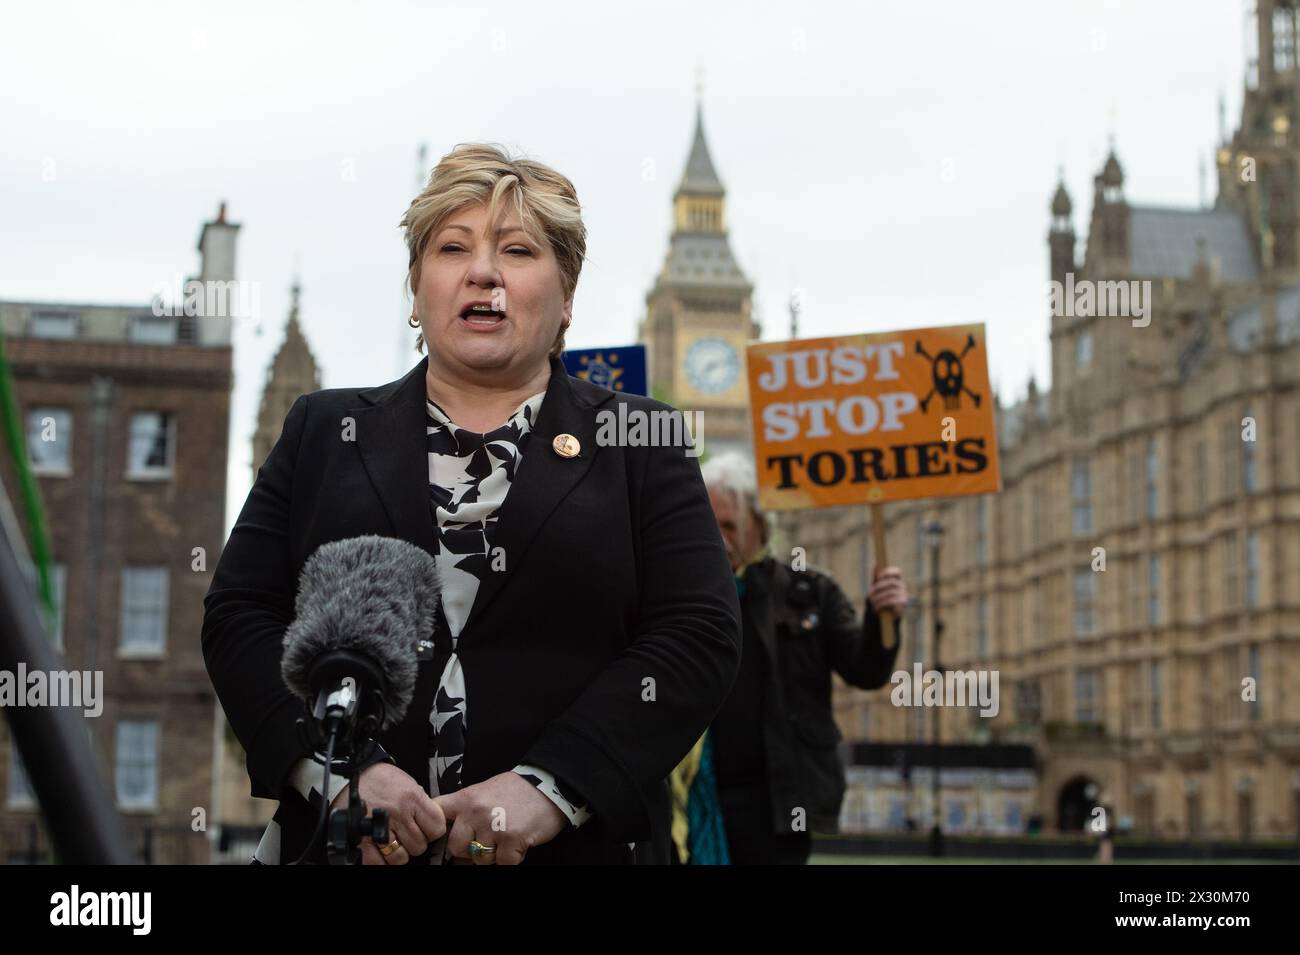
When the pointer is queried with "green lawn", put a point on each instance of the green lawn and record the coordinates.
(947, 860)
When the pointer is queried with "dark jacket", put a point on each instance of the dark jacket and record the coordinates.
(600, 653)
(807, 628)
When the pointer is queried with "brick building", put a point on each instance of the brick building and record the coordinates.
(127, 416)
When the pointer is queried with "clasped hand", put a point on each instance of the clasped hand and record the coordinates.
(505, 814)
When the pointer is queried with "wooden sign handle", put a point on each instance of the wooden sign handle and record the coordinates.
(888, 628)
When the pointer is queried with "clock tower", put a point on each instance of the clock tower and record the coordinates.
(698, 312)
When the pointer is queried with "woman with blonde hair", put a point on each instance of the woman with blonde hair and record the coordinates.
(588, 628)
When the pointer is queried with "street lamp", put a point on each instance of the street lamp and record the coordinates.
(916, 726)
(934, 538)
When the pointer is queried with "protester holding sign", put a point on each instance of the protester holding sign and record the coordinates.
(837, 421)
(768, 773)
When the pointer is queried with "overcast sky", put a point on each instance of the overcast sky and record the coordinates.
(895, 161)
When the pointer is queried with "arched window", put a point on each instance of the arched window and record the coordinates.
(1284, 37)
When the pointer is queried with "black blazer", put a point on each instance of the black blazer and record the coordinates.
(600, 653)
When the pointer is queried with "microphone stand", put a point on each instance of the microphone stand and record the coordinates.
(333, 722)
(347, 827)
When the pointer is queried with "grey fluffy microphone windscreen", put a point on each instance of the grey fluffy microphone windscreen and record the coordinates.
(372, 596)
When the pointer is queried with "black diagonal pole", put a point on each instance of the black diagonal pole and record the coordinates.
(55, 747)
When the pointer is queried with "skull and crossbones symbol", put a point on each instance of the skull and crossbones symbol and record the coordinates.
(947, 375)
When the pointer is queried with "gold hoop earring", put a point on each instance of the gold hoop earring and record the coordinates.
(413, 321)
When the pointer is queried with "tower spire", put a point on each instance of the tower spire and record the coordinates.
(293, 371)
(295, 296)
(700, 177)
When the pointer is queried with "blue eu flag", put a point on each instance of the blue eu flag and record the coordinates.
(618, 369)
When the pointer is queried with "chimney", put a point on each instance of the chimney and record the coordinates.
(217, 265)
(217, 248)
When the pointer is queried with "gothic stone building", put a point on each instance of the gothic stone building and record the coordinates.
(1165, 686)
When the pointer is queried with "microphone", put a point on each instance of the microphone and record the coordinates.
(365, 607)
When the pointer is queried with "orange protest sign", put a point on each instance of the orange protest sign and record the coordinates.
(868, 418)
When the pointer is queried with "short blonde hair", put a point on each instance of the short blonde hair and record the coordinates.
(483, 173)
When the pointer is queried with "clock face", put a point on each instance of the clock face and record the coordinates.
(712, 366)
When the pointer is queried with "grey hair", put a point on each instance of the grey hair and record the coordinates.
(732, 472)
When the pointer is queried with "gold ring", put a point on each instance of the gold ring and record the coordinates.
(477, 849)
(389, 849)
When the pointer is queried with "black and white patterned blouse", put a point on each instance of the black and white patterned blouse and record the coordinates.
(469, 476)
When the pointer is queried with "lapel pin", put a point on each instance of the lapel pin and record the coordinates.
(566, 445)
